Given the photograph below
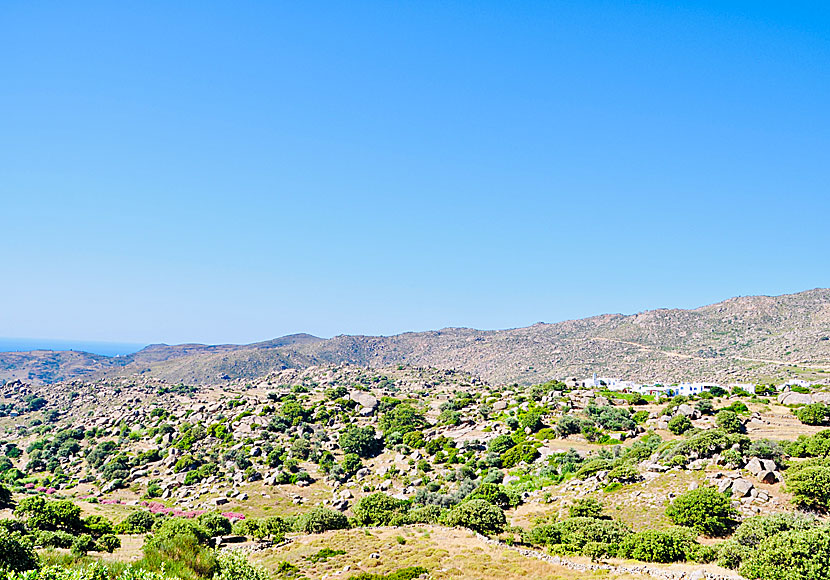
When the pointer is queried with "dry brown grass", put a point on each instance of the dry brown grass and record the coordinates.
(446, 553)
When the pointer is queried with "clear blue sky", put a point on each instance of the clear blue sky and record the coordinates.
(197, 171)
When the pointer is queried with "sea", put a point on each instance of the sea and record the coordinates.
(95, 347)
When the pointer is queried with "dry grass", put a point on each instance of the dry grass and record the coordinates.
(446, 553)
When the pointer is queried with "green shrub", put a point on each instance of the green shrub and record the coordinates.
(478, 515)
(16, 553)
(704, 509)
(57, 539)
(523, 452)
(493, 493)
(6, 501)
(233, 565)
(728, 421)
(501, 444)
(755, 530)
(360, 440)
(576, 532)
(813, 414)
(177, 546)
(215, 524)
(679, 424)
(657, 546)
(136, 523)
(791, 555)
(40, 514)
(97, 526)
(809, 484)
(593, 466)
(320, 519)
(624, 473)
(585, 508)
(108, 543)
(83, 544)
(378, 509)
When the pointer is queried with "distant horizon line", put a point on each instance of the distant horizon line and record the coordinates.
(119, 347)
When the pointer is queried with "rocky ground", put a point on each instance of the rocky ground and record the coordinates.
(275, 446)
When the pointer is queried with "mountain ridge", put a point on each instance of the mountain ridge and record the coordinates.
(740, 338)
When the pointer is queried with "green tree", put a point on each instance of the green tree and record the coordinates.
(492, 493)
(657, 545)
(728, 421)
(320, 519)
(378, 509)
(679, 424)
(402, 419)
(6, 501)
(813, 414)
(478, 515)
(706, 510)
(215, 524)
(360, 440)
(41, 514)
(809, 483)
(16, 553)
(791, 555)
(585, 508)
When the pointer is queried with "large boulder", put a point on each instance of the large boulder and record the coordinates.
(742, 487)
(364, 399)
(791, 398)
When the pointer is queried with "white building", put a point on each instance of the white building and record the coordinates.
(688, 389)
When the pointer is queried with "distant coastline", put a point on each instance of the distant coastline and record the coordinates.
(94, 347)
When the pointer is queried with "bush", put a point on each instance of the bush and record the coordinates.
(83, 544)
(177, 547)
(585, 508)
(108, 543)
(522, 452)
(679, 424)
(755, 530)
(40, 514)
(704, 509)
(360, 441)
(97, 526)
(813, 414)
(809, 483)
(501, 444)
(568, 425)
(215, 524)
(791, 555)
(179, 527)
(492, 493)
(16, 553)
(575, 533)
(234, 565)
(378, 509)
(136, 523)
(728, 421)
(54, 539)
(624, 473)
(478, 515)
(320, 519)
(6, 501)
(657, 546)
(402, 419)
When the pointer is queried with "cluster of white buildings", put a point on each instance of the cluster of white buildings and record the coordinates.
(657, 389)
(660, 390)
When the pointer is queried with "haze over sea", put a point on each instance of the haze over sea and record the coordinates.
(95, 347)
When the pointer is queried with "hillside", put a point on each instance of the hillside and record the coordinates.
(745, 338)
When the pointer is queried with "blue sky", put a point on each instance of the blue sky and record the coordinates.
(231, 172)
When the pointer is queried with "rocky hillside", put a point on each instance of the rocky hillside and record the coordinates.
(745, 338)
